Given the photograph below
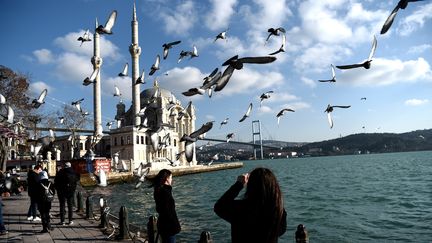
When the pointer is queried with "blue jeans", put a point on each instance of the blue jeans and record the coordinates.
(32, 209)
(168, 239)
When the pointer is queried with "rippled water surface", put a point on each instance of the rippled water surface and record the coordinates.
(359, 198)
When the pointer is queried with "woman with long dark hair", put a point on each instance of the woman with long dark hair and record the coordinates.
(168, 224)
(258, 217)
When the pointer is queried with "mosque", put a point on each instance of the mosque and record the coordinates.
(149, 131)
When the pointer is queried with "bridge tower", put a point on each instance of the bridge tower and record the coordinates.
(256, 134)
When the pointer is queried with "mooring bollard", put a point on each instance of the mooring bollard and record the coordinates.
(205, 237)
(152, 229)
(123, 224)
(89, 207)
(80, 202)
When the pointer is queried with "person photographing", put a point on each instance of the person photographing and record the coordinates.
(258, 217)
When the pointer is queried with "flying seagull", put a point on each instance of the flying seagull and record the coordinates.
(224, 122)
(77, 104)
(273, 31)
(109, 124)
(246, 115)
(281, 113)
(221, 35)
(237, 63)
(192, 54)
(333, 79)
(140, 79)
(85, 37)
(61, 119)
(366, 64)
(116, 91)
(363, 98)
(282, 48)
(229, 137)
(329, 110)
(2, 100)
(107, 29)
(192, 138)
(124, 73)
(265, 95)
(168, 46)
(155, 66)
(401, 4)
(36, 103)
(10, 115)
(88, 80)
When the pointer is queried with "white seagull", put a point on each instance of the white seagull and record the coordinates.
(366, 64)
(124, 73)
(329, 110)
(107, 29)
(36, 103)
(246, 115)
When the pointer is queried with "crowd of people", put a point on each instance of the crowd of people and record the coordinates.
(39, 186)
(257, 217)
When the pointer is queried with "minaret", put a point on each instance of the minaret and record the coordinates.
(135, 51)
(97, 63)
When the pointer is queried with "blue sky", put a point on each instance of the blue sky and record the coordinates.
(39, 39)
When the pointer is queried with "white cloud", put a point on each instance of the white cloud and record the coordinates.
(247, 80)
(267, 15)
(419, 49)
(319, 57)
(36, 88)
(309, 82)
(73, 67)
(265, 109)
(180, 20)
(416, 102)
(387, 72)
(299, 105)
(415, 21)
(69, 43)
(123, 83)
(43, 56)
(220, 15)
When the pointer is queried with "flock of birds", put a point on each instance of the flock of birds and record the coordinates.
(215, 82)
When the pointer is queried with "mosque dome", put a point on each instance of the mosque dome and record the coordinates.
(147, 94)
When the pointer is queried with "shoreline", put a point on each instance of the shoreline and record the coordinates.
(89, 180)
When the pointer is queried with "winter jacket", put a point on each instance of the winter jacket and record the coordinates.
(66, 181)
(246, 222)
(168, 223)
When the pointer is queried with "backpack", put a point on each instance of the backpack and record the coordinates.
(48, 195)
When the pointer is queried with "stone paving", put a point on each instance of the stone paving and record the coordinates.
(21, 230)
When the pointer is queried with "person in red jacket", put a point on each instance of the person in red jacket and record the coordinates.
(258, 217)
(168, 223)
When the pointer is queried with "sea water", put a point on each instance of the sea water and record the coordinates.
(357, 198)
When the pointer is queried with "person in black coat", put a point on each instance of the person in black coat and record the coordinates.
(66, 181)
(168, 223)
(32, 189)
(44, 206)
(260, 216)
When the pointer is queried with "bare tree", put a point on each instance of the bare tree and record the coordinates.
(13, 86)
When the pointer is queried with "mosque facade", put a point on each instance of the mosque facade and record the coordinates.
(149, 131)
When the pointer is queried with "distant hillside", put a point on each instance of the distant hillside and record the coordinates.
(352, 144)
(372, 142)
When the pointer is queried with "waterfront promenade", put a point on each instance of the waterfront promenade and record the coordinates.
(21, 230)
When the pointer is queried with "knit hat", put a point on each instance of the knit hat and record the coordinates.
(43, 175)
(68, 165)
